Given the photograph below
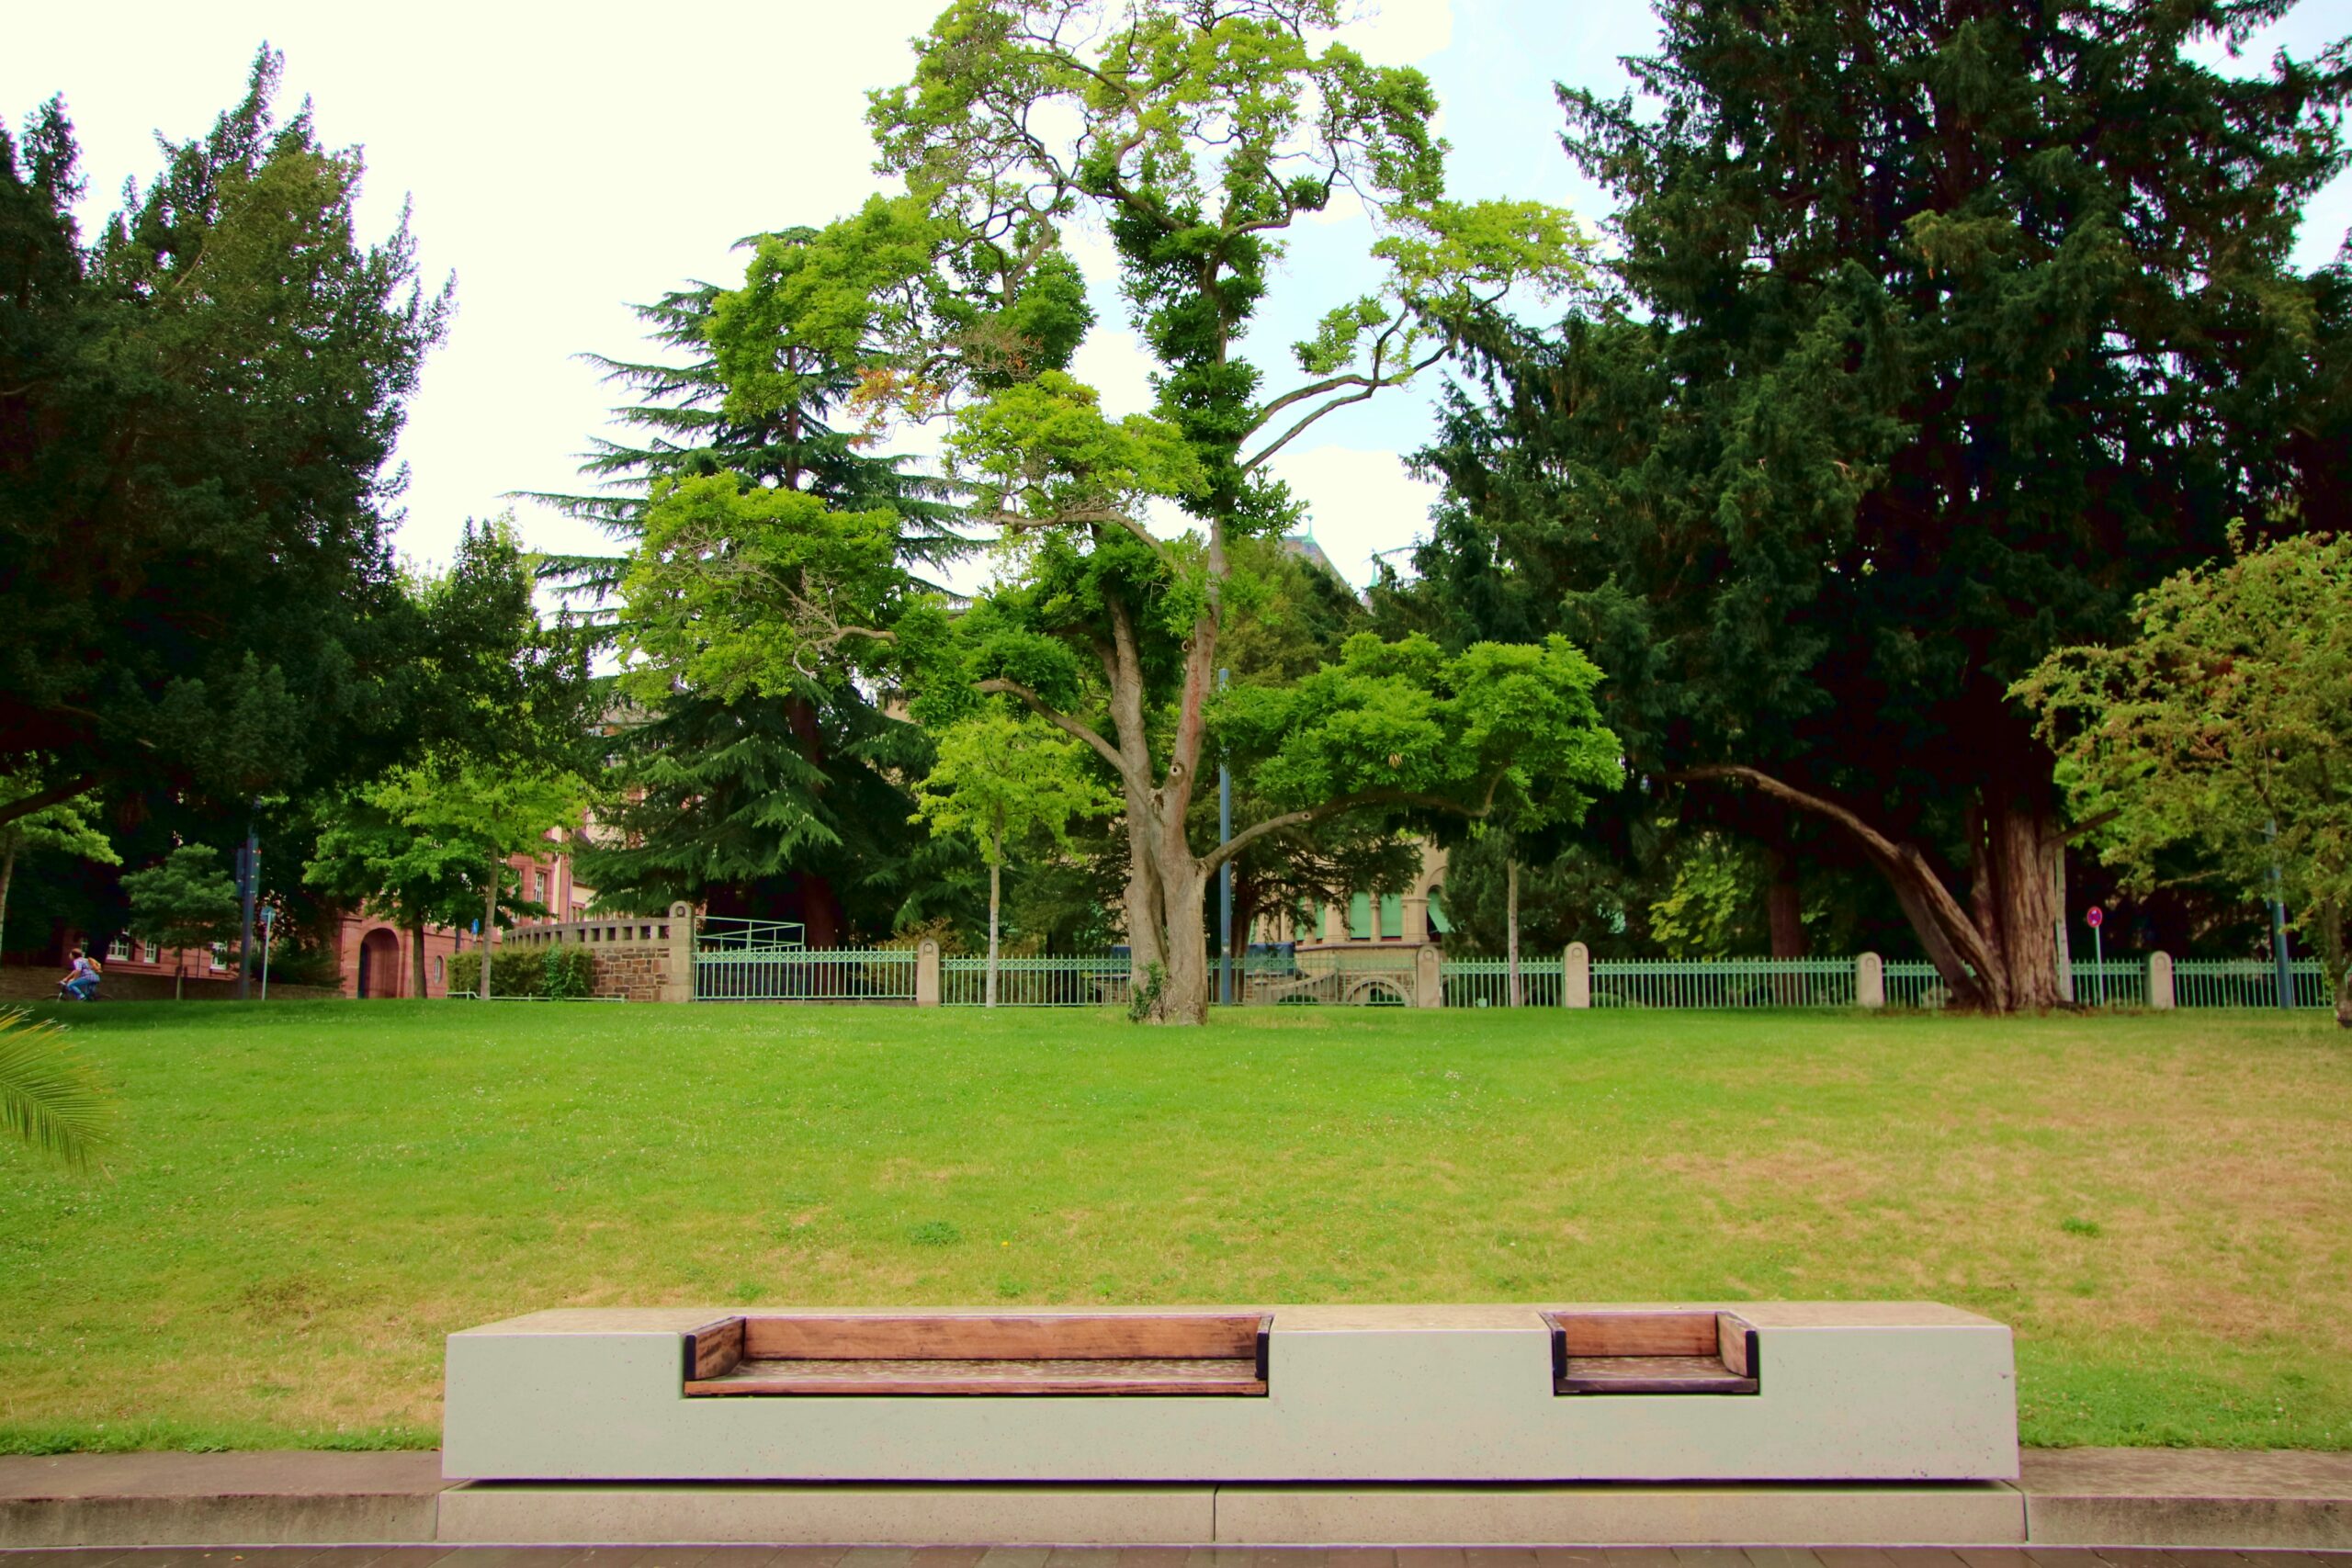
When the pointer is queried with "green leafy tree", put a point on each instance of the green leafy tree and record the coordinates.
(50, 1098)
(67, 826)
(1195, 135)
(185, 901)
(197, 413)
(2224, 726)
(385, 849)
(1938, 333)
(1001, 778)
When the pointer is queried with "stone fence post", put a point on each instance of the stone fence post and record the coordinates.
(1576, 976)
(678, 956)
(1429, 979)
(1870, 981)
(927, 974)
(2160, 991)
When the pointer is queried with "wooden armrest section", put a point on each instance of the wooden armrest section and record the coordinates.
(1653, 1352)
(1173, 1353)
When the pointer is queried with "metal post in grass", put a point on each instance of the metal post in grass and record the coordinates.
(248, 874)
(1224, 873)
(2096, 916)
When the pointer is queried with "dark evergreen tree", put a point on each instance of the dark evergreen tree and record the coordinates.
(198, 412)
(791, 806)
(1939, 329)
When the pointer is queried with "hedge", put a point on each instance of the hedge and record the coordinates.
(558, 972)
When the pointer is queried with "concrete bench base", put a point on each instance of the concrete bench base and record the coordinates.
(855, 1515)
(1766, 1391)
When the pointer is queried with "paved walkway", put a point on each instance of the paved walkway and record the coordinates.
(1161, 1557)
(2231, 1503)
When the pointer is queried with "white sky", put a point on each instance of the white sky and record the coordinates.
(565, 161)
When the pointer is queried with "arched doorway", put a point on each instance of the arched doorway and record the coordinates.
(380, 964)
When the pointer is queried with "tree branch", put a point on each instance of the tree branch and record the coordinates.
(41, 800)
(1953, 940)
(1256, 830)
(1056, 717)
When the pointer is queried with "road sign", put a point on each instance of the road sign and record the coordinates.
(2095, 916)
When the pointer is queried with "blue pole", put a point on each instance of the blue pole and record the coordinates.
(1224, 875)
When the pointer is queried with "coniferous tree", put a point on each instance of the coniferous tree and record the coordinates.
(198, 412)
(779, 804)
(1939, 329)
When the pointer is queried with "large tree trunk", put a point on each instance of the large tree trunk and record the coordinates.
(1784, 904)
(2010, 891)
(7, 877)
(2001, 958)
(416, 946)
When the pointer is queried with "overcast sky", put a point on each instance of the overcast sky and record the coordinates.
(563, 161)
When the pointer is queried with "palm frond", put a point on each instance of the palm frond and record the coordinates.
(50, 1098)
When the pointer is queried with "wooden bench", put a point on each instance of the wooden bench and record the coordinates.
(1648, 1351)
(1161, 1355)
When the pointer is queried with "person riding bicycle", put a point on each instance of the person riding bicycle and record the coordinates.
(83, 982)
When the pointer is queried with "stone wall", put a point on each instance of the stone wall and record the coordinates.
(638, 958)
(37, 982)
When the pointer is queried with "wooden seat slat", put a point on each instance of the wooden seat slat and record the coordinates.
(990, 1376)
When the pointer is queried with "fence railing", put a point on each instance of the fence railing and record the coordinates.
(1083, 981)
(1724, 983)
(1486, 982)
(755, 961)
(2248, 983)
(879, 974)
(732, 933)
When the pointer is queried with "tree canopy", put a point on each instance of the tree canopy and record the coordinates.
(198, 409)
(2225, 725)
(1937, 333)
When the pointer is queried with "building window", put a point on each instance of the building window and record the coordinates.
(150, 953)
(219, 956)
(117, 948)
(440, 973)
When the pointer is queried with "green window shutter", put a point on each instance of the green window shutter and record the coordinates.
(1392, 914)
(1437, 922)
(1360, 916)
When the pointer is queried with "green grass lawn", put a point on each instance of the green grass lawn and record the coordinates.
(309, 1196)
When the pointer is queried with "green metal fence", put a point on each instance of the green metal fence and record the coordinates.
(1064, 981)
(2248, 983)
(880, 975)
(2117, 983)
(1486, 982)
(1342, 978)
(1723, 983)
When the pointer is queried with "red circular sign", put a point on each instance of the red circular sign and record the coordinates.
(2095, 916)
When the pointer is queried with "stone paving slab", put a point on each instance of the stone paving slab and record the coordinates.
(170, 1499)
(2187, 1497)
(2215, 1506)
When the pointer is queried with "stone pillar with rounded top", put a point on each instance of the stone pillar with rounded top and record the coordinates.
(2160, 989)
(1428, 977)
(927, 974)
(1576, 976)
(1870, 981)
(677, 982)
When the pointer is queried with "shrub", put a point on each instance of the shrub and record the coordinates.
(561, 972)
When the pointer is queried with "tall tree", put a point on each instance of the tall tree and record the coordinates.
(786, 802)
(1939, 329)
(198, 411)
(1196, 134)
(1002, 778)
(185, 900)
(2225, 726)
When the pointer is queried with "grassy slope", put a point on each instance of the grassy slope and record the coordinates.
(312, 1195)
